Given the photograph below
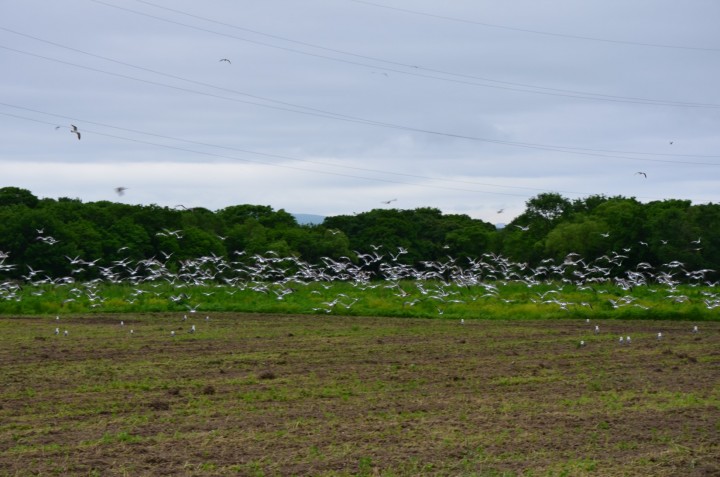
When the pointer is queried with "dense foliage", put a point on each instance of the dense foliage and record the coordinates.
(50, 235)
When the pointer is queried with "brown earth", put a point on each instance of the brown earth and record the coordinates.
(292, 395)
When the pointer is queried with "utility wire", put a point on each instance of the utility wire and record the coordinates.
(275, 156)
(354, 119)
(415, 70)
(536, 32)
(407, 65)
(324, 172)
(160, 73)
(282, 166)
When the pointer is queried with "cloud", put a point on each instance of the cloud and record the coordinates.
(475, 116)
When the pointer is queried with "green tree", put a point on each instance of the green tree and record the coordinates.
(584, 237)
(17, 196)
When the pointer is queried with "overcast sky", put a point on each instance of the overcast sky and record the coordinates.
(331, 107)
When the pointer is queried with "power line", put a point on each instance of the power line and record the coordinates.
(538, 32)
(275, 156)
(606, 153)
(415, 70)
(282, 166)
(154, 71)
(289, 158)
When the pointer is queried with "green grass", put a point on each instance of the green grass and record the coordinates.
(416, 300)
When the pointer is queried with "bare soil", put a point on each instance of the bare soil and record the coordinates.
(319, 395)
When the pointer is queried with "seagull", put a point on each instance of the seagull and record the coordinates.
(226, 60)
(659, 335)
(388, 201)
(671, 142)
(642, 174)
(120, 190)
(695, 329)
(75, 131)
(524, 229)
(582, 343)
(501, 211)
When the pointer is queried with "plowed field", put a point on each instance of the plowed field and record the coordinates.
(321, 395)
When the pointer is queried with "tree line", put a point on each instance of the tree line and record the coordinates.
(50, 234)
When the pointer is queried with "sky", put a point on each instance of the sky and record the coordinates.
(337, 107)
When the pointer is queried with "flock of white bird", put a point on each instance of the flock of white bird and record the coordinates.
(438, 282)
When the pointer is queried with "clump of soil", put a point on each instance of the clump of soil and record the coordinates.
(159, 405)
(266, 374)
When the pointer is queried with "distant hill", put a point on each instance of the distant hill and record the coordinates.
(309, 219)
